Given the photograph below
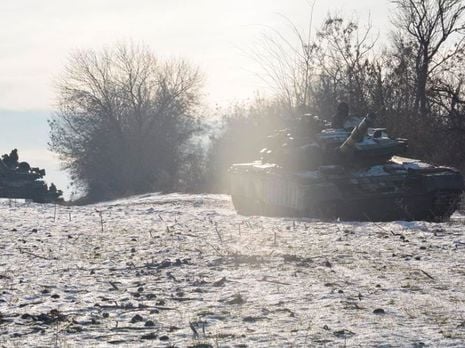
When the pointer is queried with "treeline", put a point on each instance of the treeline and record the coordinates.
(128, 123)
(414, 82)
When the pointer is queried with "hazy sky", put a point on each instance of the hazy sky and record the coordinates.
(36, 38)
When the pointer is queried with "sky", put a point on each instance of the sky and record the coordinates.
(37, 37)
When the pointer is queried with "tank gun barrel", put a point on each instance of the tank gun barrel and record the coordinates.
(358, 133)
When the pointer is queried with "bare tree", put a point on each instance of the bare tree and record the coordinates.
(429, 25)
(311, 73)
(287, 63)
(345, 63)
(122, 120)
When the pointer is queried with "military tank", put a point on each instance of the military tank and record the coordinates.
(19, 180)
(353, 173)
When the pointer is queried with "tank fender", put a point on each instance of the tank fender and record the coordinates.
(452, 181)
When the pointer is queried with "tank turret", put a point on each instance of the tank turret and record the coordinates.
(358, 133)
(357, 146)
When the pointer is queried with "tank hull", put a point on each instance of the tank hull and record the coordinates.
(402, 193)
(37, 191)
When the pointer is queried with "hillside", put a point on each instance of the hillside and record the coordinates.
(186, 270)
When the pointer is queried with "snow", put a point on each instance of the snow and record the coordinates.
(417, 165)
(410, 163)
(199, 273)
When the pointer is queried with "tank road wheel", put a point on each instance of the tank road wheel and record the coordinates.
(240, 204)
(249, 204)
(257, 205)
(326, 210)
(39, 196)
(246, 206)
(444, 205)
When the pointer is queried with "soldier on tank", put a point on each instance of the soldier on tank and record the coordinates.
(53, 188)
(341, 116)
(11, 160)
(14, 156)
(5, 159)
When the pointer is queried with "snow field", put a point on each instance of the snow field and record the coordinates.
(186, 270)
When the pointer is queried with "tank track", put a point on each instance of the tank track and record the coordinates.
(444, 204)
(435, 206)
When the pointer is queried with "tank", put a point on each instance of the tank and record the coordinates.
(19, 180)
(354, 173)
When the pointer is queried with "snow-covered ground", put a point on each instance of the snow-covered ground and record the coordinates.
(186, 270)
